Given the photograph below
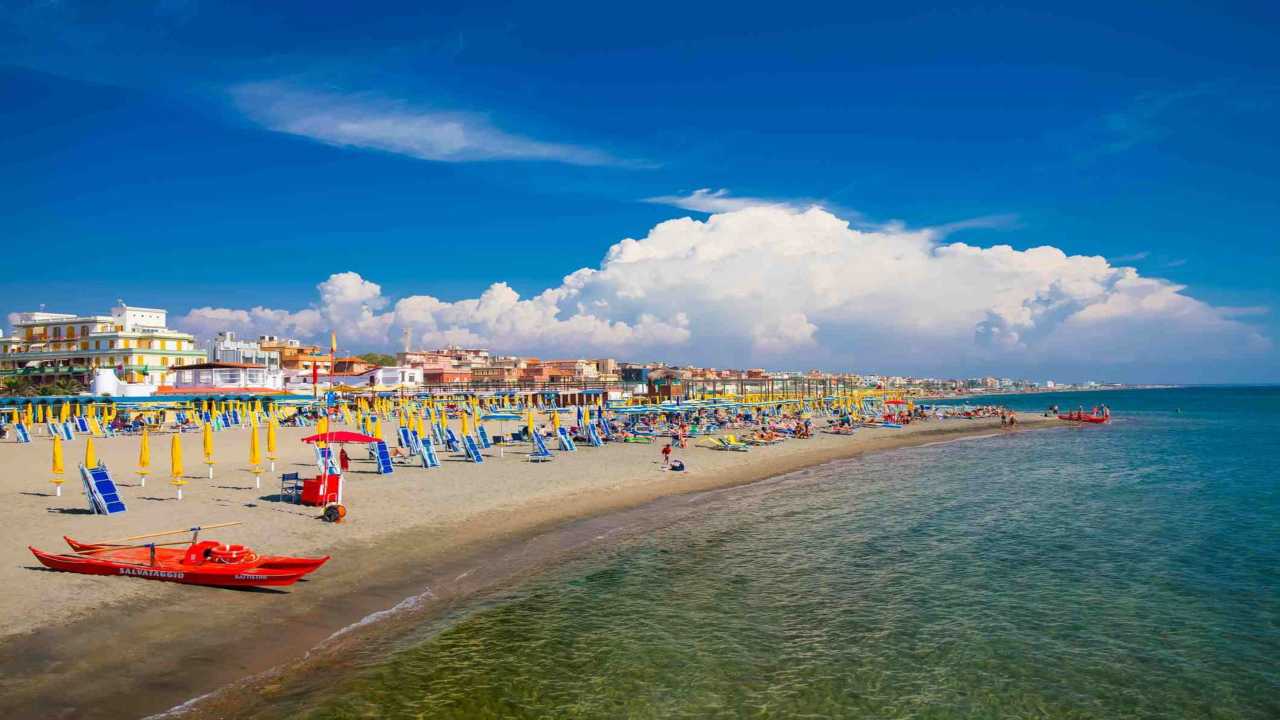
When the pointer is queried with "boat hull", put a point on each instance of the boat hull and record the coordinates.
(142, 555)
(172, 565)
(1095, 419)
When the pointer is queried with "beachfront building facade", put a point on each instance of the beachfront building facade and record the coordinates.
(224, 377)
(132, 341)
(294, 355)
(227, 348)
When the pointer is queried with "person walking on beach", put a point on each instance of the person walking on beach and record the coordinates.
(344, 461)
(666, 455)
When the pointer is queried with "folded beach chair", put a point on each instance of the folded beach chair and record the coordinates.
(451, 441)
(403, 437)
(593, 436)
(23, 435)
(82, 424)
(484, 437)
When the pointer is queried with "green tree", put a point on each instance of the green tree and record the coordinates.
(378, 358)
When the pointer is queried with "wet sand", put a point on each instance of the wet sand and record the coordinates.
(86, 647)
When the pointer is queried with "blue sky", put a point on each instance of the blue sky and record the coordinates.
(232, 155)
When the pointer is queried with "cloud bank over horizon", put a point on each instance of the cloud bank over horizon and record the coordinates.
(780, 286)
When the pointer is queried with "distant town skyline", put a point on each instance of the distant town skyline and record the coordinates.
(1076, 193)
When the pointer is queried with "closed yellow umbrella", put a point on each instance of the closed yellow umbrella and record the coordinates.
(271, 443)
(255, 456)
(64, 412)
(462, 417)
(555, 419)
(175, 465)
(529, 423)
(90, 457)
(208, 447)
(144, 457)
(57, 466)
(377, 428)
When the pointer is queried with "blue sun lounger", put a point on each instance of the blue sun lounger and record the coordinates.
(473, 452)
(593, 436)
(484, 437)
(427, 450)
(23, 435)
(451, 441)
(104, 498)
(383, 456)
(566, 442)
(540, 452)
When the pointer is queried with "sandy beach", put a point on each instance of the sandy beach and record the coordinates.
(166, 643)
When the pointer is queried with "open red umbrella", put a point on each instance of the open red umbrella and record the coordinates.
(341, 436)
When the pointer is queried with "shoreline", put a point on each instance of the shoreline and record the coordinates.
(229, 644)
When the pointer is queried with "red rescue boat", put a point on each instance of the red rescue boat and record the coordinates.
(207, 562)
(1097, 418)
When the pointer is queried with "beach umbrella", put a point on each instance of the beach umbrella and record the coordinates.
(462, 417)
(271, 443)
(144, 457)
(208, 448)
(555, 420)
(255, 456)
(175, 465)
(57, 465)
(377, 428)
(64, 412)
(90, 457)
(40, 413)
(529, 423)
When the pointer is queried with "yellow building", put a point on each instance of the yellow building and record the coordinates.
(133, 341)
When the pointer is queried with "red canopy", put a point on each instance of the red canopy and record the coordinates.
(895, 402)
(340, 436)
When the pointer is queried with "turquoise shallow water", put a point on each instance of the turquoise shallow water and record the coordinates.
(1126, 571)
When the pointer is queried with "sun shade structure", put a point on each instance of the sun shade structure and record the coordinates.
(340, 436)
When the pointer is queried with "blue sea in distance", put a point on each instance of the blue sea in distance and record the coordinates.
(1121, 571)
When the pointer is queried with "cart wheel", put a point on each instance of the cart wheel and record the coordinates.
(334, 513)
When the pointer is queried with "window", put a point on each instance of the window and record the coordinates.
(57, 331)
(84, 330)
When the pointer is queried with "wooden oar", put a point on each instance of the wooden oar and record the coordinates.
(170, 532)
(130, 547)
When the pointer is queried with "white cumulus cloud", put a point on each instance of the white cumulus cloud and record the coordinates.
(774, 285)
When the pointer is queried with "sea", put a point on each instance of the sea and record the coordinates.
(1121, 571)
